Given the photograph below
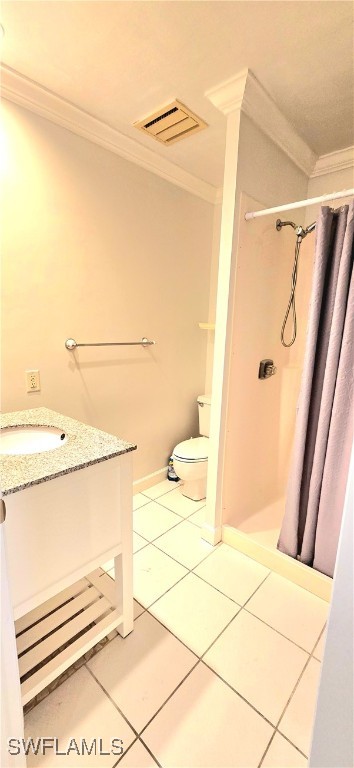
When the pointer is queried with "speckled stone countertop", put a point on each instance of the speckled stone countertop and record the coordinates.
(84, 446)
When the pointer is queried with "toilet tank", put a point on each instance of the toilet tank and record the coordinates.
(204, 402)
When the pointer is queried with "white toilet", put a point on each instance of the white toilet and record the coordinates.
(190, 458)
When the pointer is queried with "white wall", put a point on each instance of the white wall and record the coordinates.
(96, 248)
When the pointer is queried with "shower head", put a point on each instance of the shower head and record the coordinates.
(299, 230)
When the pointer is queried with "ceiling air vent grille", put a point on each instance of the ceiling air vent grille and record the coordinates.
(172, 123)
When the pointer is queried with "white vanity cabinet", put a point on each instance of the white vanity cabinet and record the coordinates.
(58, 533)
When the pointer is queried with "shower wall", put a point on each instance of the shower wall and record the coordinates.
(261, 414)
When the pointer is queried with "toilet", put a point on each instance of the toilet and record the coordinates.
(190, 458)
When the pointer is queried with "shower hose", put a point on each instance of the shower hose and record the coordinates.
(291, 305)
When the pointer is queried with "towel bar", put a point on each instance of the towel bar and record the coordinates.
(71, 344)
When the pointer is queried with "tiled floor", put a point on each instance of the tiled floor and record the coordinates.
(221, 669)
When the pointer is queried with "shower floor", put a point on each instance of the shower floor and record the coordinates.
(264, 526)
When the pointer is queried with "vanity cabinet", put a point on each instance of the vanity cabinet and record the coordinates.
(60, 529)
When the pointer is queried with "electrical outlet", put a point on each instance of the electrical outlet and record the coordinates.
(32, 381)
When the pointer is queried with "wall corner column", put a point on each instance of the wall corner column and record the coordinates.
(228, 98)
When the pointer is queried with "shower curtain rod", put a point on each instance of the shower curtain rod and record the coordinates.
(299, 204)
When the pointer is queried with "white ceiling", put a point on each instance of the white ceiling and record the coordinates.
(122, 59)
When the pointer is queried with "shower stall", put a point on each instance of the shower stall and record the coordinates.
(261, 412)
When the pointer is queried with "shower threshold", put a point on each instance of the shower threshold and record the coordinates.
(257, 537)
(264, 526)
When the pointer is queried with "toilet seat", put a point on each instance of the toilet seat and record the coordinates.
(193, 451)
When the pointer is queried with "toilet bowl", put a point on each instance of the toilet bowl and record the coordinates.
(190, 461)
(190, 457)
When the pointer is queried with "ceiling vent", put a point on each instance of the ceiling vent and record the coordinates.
(172, 123)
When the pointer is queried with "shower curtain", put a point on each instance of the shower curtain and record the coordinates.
(324, 422)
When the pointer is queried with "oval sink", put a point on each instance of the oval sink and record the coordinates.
(24, 440)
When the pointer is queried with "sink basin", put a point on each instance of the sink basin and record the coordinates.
(25, 440)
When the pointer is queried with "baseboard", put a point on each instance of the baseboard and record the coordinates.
(149, 480)
(210, 534)
(297, 572)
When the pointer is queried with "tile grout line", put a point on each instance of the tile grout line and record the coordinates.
(185, 517)
(150, 753)
(125, 752)
(240, 695)
(246, 701)
(311, 656)
(286, 739)
(182, 519)
(301, 648)
(193, 570)
(113, 702)
(267, 748)
(165, 593)
(317, 641)
(149, 500)
(175, 525)
(234, 617)
(138, 733)
(178, 561)
(241, 607)
(175, 484)
(116, 764)
(147, 610)
(292, 743)
(174, 559)
(141, 505)
(183, 577)
(171, 694)
(201, 659)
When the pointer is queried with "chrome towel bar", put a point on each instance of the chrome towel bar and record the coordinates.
(71, 344)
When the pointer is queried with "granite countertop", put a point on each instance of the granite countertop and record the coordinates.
(85, 445)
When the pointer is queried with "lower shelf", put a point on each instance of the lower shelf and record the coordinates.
(53, 636)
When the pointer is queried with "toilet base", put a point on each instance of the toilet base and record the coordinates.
(194, 489)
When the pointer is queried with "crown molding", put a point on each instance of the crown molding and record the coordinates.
(21, 90)
(228, 95)
(334, 161)
(244, 92)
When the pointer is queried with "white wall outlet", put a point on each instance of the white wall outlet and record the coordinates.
(32, 381)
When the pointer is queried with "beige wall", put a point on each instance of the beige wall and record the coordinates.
(97, 248)
(260, 414)
(212, 298)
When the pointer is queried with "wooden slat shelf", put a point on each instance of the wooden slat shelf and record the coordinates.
(54, 635)
(49, 606)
